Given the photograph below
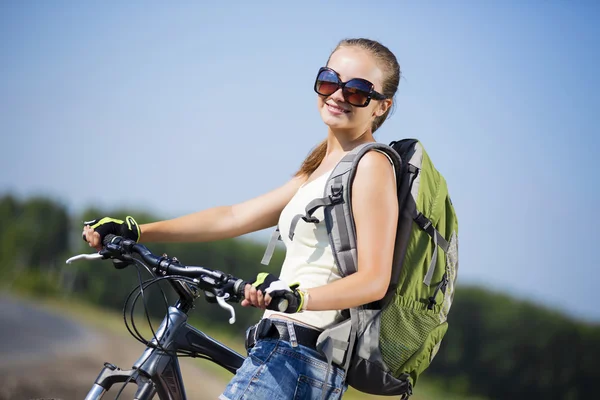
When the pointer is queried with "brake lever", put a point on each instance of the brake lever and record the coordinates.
(222, 300)
(94, 256)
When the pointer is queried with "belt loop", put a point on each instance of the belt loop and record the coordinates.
(255, 331)
(246, 341)
(292, 333)
(250, 334)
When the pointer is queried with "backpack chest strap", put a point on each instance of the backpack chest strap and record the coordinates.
(334, 198)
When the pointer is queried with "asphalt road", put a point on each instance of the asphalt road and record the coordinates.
(28, 332)
(44, 355)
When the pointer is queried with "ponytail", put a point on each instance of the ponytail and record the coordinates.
(310, 164)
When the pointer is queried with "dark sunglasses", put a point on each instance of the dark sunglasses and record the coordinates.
(356, 91)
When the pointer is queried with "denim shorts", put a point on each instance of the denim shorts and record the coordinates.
(275, 370)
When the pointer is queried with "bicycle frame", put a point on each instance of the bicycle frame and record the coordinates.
(157, 370)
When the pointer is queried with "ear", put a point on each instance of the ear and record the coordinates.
(382, 107)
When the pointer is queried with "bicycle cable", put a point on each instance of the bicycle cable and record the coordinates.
(139, 291)
(156, 281)
(141, 287)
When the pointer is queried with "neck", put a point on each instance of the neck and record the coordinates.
(339, 141)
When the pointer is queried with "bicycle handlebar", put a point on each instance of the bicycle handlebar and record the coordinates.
(217, 285)
(208, 279)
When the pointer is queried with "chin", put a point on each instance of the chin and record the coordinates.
(334, 122)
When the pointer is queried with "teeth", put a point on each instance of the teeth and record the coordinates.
(336, 108)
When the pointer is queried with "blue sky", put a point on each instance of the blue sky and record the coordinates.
(174, 107)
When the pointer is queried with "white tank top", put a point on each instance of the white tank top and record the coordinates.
(308, 260)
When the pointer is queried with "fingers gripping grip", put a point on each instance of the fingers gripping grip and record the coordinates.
(128, 229)
(284, 298)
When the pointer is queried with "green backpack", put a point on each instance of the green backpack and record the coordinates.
(385, 346)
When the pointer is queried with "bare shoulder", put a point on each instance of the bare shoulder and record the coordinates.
(375, 165)
(374, 186)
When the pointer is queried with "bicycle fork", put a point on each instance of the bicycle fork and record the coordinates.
(111, 375)
(156, 371)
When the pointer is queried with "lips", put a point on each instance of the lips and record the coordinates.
(335, 109)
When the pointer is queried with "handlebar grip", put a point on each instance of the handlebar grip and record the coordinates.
(107, 239)
(282, 304)
(240, 289)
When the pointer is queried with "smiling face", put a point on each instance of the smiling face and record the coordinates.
(352, 62)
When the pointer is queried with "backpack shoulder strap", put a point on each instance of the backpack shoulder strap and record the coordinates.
(339, 218)
(337, 201)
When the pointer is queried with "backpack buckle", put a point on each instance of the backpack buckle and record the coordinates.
(336, 194)
(310, 219)
(422, 221)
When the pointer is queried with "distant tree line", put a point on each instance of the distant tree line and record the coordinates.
(497, 346)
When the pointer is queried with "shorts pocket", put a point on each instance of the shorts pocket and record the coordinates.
(263, 350)
(311, 361)
(310, 388)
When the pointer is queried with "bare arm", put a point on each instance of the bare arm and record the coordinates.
(375, 209)
(215, 223)
(225, 221)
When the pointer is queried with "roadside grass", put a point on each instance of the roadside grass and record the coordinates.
(98, 318)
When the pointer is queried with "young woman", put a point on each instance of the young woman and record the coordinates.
(355, 92)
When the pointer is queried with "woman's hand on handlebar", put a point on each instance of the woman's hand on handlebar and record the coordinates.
(269, 292)
(255, 298)
(92, 237)
(94, 231)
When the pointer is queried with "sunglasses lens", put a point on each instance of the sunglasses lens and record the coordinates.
(357, 92)
(327, 83)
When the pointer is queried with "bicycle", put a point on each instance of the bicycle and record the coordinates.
(157, 371)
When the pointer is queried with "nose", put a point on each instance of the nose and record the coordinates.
(338, 96)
